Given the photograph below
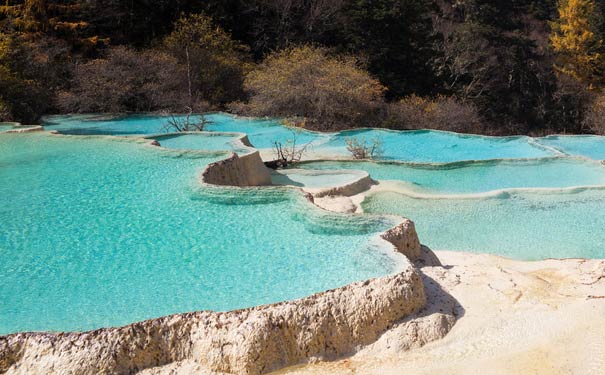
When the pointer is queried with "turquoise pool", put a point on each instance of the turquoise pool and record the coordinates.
(427, 146)
(522, 225)
(5, 126)
(581, 145)
(103, 232)
(468, 178)
(202, 141)
(96, 229)
(262, 133)
(421, 146)
(314, 178)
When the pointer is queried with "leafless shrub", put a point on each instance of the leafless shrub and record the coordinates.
(364, 149)
(126, 80)
(289, 152)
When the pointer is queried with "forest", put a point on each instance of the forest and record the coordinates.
(479, 66)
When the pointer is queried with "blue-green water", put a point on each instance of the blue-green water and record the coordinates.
(201, 141)
(4, 127)
(262, 133)
(480, 177)
(414, 146)
(519, 225)
(103, 232)
(582, 145)
(313, 178)
(428, 146)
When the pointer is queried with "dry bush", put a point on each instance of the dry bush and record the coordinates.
(126, 80)
(441, 113)
(362, 149)
(289, 152)
(329, 92)
(594, 118)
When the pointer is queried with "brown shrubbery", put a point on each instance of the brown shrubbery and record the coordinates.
(364, 149)
(329, 92)
(215, 64)
(442, 113)
(199, 67)
(126, 80)
(594, 118)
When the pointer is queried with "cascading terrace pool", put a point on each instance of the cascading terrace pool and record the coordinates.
(119, 231)
(102, 231)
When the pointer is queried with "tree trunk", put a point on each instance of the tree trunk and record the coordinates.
(189, 76)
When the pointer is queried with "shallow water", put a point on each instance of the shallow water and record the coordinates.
(313, 179)
(262, 133)
(480, 177)
(5, 127)
(517, 225)
(99, 232)
(589, 146)
(96, 231)
(203, 141)
(440, 147)
(414, 146)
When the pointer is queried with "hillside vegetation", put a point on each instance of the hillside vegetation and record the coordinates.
(483, 66)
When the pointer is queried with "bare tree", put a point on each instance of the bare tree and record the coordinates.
(289, 152)
(362, 149)
(185, 124)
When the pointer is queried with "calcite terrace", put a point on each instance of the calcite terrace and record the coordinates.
(257, 340)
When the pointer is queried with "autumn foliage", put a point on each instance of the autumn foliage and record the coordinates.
(328, 92)
(578, 42)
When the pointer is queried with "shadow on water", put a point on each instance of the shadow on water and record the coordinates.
(280, 179)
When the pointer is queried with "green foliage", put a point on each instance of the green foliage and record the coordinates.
(397, 39)
(216, 63)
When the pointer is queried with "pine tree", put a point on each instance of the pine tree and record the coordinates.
(577, 41)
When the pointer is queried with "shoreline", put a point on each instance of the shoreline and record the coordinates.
(517, 317)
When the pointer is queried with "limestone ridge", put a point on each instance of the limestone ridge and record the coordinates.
(245, 170)
(249, 341)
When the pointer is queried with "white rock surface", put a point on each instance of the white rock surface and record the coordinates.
(514, 317)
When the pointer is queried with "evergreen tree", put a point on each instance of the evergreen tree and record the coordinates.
(397, 39)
